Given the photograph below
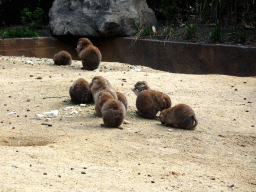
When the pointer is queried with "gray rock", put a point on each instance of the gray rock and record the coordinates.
(99, 17)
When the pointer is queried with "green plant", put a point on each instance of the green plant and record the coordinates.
(33, 19)
(143, 31)
(216, 33)
(169, 32)
(238, 34)
(190, 31)
(18, 32)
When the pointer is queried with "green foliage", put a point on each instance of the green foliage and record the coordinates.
(34, 19)
(238, 34)
(216, 33)
(190, 31)
(30, 21)
(166, 9)
(169, 9)
(18, 32)
(144, 31)
(170, 32)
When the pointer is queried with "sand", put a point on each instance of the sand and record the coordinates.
(72, 152)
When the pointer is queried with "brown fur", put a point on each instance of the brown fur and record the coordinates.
(102, 98)
(80, 91)
(89, 54)
(113, 112)
(100, 84)
(140, 86)
(149, 102)
(180, 115)
(62, 58)
(122, 98)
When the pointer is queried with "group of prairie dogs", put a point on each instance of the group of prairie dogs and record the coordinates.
(150, 102)
(112, 105)
(109, 104)
(87, 52)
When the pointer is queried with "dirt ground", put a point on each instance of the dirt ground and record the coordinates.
(72, 152)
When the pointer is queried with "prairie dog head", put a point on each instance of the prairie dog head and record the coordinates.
(82, 44)
(140, 86)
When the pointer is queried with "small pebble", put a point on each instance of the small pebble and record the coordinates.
(152, 181)
(45, 174)
(31, 75)
(72, 168)
(83, 172)
(232, 186)
(59, 175)
(39, 77)
(126, 122)
(235, 89)
(252, 126)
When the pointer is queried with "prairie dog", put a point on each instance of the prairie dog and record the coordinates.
(62, 58)
(148, 101)
(113, 113)
(100, 84)
(80, 91)
(122, 98)
(89, 54)
(102, 97)
(140, 86)
(180, 115)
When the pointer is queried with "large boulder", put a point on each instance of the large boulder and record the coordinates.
(99, 17)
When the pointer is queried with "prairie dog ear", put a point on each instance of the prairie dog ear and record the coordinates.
(95, 80)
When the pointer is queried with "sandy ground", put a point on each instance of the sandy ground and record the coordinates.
(72, 152)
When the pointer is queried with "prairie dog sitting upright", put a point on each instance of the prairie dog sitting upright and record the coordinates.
(89, 54)
(100, 84)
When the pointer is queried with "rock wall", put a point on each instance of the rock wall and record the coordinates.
(99, 17)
